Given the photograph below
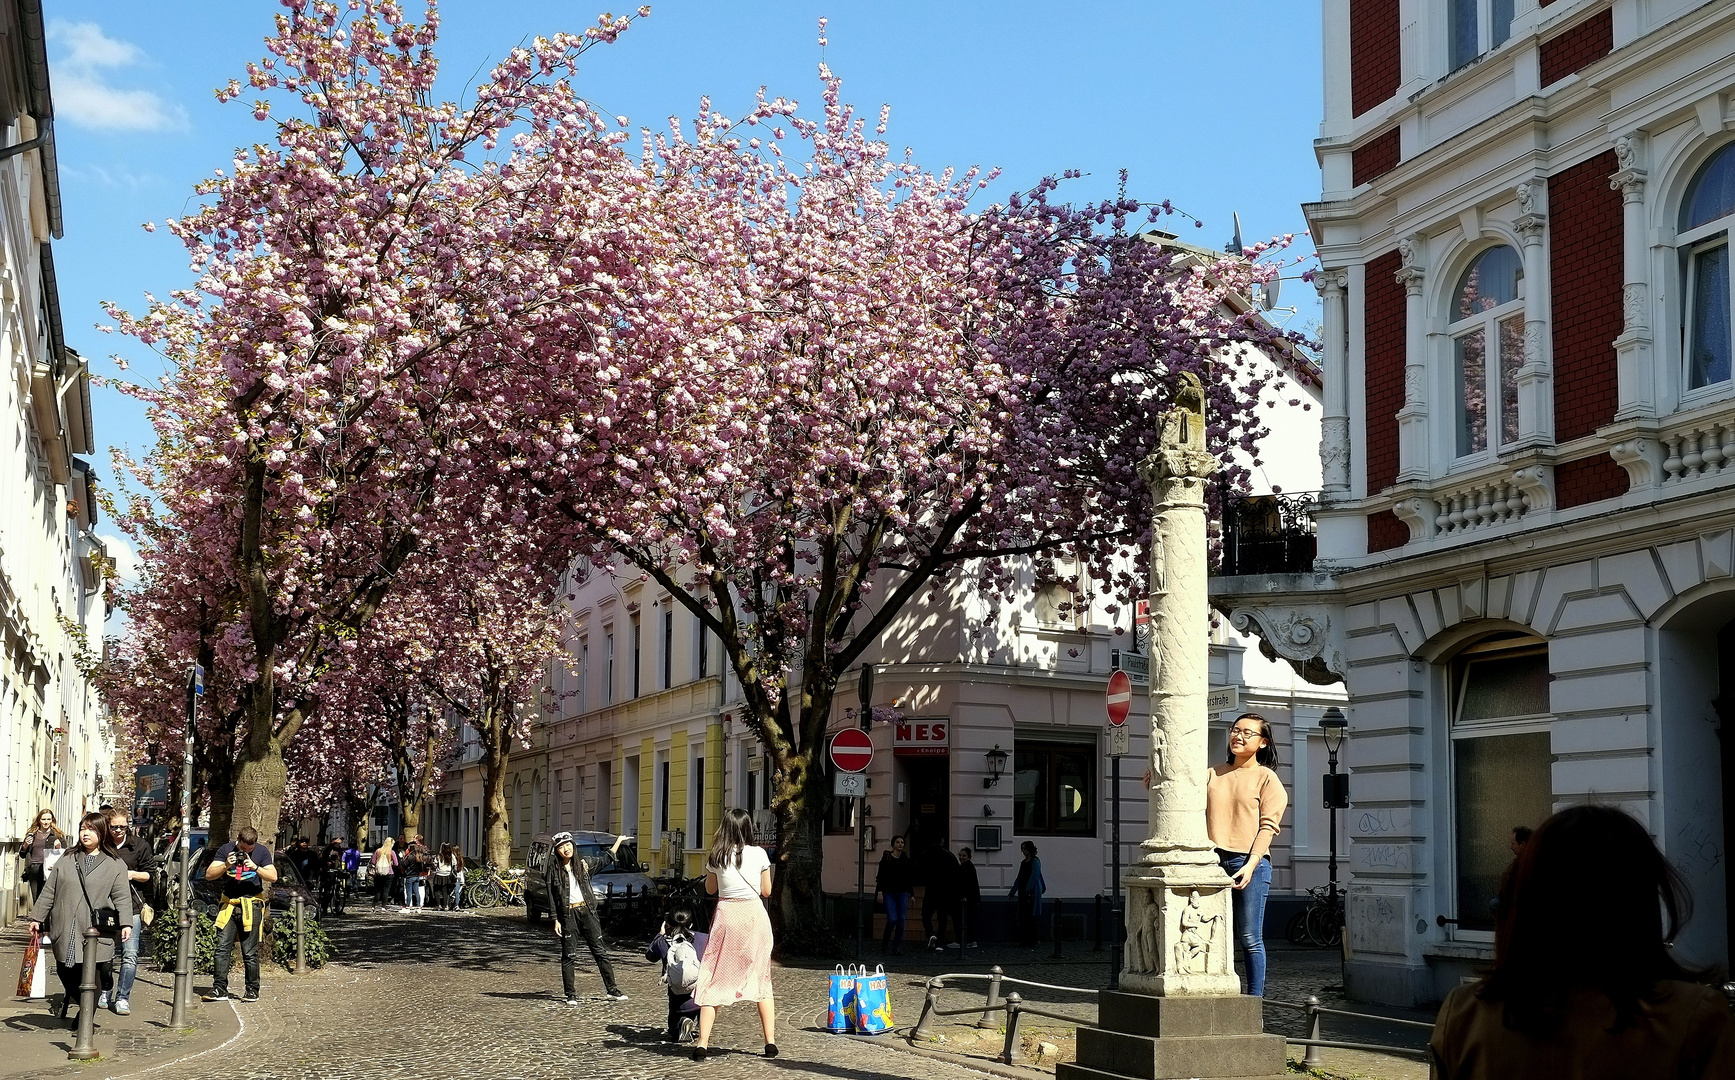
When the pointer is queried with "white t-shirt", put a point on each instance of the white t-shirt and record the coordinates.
(741, 883)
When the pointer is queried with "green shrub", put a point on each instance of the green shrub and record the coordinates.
(165, 930)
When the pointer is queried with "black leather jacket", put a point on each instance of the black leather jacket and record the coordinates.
(559, 892)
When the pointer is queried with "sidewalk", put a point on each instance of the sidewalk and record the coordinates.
(140, 1040)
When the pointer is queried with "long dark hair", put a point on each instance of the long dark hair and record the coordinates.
(1572, 923)
(97, 821)
(734, 835)
(1267, 755)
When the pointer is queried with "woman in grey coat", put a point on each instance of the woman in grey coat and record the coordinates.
(63, 912)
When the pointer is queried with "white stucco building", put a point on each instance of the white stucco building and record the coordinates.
(1526, 543)
(56, 745)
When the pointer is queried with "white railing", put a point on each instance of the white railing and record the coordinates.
(1487, 501)
(1704, 448)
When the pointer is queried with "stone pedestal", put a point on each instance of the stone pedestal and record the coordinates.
(1157, 1038)
(1180, 1011)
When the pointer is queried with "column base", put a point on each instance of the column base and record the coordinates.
(1179, 938)
(1154, 1038)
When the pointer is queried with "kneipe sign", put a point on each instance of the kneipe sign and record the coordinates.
(922, 737)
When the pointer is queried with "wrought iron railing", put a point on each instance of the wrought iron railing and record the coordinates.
(1268, 534)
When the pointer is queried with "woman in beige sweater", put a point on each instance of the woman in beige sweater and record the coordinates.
(1244, 804)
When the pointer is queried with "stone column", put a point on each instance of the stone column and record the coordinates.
(1536, 375)
(1413, 417)
(1178, 921)
(1179, 1011)
(1334, 440)
(1637, 394)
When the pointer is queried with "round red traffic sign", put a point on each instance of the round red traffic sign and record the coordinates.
(852, 750)
(1120, 698)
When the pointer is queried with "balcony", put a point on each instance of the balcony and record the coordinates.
(1268, 534)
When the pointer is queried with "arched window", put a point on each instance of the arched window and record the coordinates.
(1486, 321)
(1704, 239)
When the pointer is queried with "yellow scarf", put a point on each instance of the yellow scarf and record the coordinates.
(245, 903)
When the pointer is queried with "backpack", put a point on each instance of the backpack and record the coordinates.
(681, 965)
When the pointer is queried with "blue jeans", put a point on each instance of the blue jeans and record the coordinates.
(129, 961)
(1249, 914)
(897, 910)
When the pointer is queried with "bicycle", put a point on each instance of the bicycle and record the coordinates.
(1321, 922)
(496, 888)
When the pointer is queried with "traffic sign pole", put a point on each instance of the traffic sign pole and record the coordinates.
(865, 693)
(1119, 703)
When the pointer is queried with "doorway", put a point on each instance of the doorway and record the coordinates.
(1725, 707)
(930, 795)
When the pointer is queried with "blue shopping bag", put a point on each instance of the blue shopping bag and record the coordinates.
(873, 1002)
(840, 1002)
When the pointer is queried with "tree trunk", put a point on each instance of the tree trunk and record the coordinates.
(496, 738)
(260, 783)
(221, 786)
(798, 896)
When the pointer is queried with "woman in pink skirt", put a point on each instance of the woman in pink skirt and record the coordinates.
(737, 961)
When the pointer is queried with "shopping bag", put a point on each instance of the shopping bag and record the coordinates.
(840, 1002)
(873, 1002)
(39, 980)
(27, 970)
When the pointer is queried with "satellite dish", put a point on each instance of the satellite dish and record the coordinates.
(1268, 293)
(1234, 246)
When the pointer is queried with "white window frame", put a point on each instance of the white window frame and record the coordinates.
(1528, 724)
(1488, 322)
(1689, 244)
(1485, 42)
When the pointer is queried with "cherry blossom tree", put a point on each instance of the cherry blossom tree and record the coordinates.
(846, 386)
(370, 290)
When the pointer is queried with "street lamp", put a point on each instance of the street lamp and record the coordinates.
(1332, 727)
(996, 766)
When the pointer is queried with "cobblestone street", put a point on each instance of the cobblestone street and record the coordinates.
(457, 995)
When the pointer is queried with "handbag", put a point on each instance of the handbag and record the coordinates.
(27, 969)
(873, 1002)
(105, 920)
(840, 1001)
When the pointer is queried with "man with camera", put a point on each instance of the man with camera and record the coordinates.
(242, 869)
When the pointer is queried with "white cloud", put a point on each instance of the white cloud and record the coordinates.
(125, 556)
(83, 95)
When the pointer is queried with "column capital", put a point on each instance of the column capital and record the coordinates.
(1331, 282)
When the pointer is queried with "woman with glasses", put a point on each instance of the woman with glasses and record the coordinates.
(1244, 804)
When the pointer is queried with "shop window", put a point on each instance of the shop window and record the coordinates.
(1486, 323)
(1501, 764)
(1054, 789)
(1706, 216)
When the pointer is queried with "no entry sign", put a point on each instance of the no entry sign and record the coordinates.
(1120, 698)
(851, 750)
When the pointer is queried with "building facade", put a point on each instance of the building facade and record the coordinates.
(56, 745)
(1524, 577)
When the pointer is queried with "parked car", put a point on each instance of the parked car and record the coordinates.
(167, 881)
(618, 874)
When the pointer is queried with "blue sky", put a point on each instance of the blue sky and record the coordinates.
(1212, 105)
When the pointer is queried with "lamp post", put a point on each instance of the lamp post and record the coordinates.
(864, 715)
(1332, 727)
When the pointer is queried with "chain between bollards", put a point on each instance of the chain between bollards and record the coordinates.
(84, 1048)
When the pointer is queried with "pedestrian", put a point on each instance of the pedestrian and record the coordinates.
(91, 878)
(892, 886)
(352, 870)
(939, 869)
(573, 906)
(1244, 804)
(1028, 888)
(681, 951)
(1584, 984)
(969, 896)
(738, 964)
(331, 878)
(46, 844)
(458, 876)
(306, 861)
(140, 865)
(385, 864)
(446, 866)
(242, 868)
(424, 872)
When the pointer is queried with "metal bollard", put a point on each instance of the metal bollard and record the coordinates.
(300, 936)
(1096, 946)
(1056, 954)
(1014, 1006)
(84, 1048)
(1312, 1059)
(988, 1019)
(181, 997)
(931, 1003)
